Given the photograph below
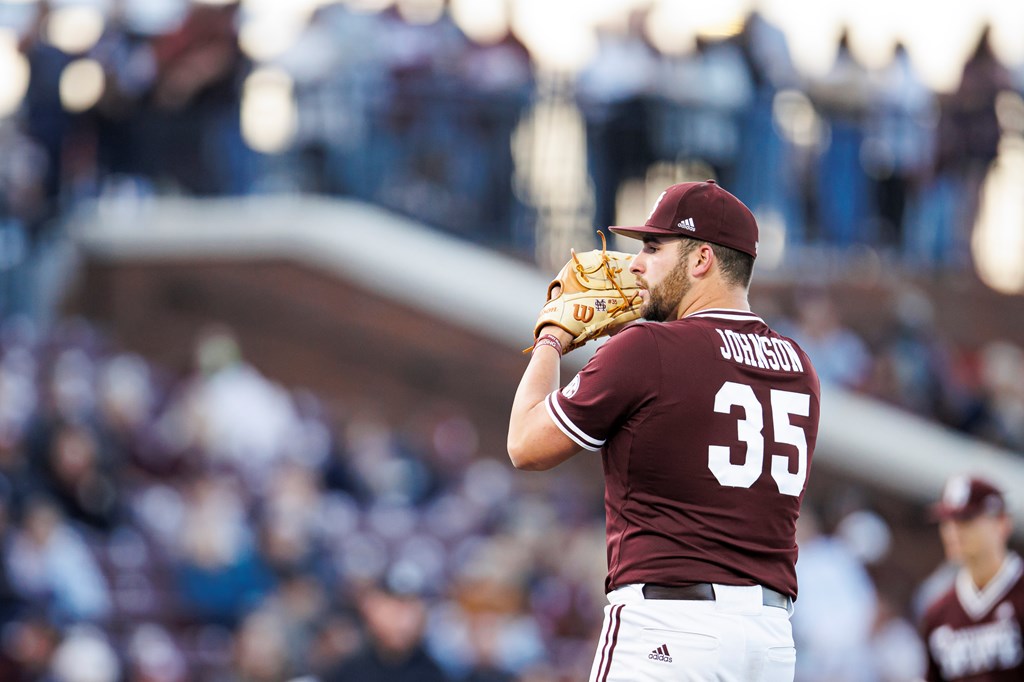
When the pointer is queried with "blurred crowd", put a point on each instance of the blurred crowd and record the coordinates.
(216, 526)
(907, 361)
(422, 119)
(851, 156)
(417, 118)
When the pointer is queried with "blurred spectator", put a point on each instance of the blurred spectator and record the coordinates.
(85, 655)
(127, 399)
(839, 354)
(487, 630)
(916, 368)
(300, 604)
(1002, 372)
(394, 616)
(496, 82)
(78, 480)
(337, 638)
(614, 93)
(69, 394)
(342, 77)
(484, 634)
(192, 116)
(220, 573)
(762, 150)
(291, 520)
(18, 481)
(24, 207)
(897, 652)
(11, 604)
(845, 198)
(154, 656)
(384, 470)
(703, 96)
(968, 143)
(51, 566)
(27, 648)
(835, 609)
(899, 145)
(229, 412)
(47, 122)
(261, 650)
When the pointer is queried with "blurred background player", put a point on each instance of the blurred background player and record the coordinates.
(973, 631)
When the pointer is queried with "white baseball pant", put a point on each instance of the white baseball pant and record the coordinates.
(735, 638)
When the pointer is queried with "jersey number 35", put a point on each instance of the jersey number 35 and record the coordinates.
(784, 404)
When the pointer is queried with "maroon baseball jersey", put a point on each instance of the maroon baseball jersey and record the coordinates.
(975, 636)
(707, 425)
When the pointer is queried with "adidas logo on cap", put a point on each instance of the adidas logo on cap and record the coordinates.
(724, 219)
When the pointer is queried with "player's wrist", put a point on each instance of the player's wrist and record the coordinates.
(563, 337)
(550, 341)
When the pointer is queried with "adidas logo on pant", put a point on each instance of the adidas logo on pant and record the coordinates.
(660, 654)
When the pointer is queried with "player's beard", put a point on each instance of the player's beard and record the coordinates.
(663, 300)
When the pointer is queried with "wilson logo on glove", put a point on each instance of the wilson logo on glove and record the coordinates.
(596, 296)
(583, 313)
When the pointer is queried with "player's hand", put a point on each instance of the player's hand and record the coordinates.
(594, 295)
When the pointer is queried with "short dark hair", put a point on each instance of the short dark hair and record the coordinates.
(737, 267)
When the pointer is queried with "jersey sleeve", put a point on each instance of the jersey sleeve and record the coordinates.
(618, 379)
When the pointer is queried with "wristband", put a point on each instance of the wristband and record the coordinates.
(549, 340)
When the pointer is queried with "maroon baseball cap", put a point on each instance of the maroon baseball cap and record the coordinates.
(702, 210)
(966, 497)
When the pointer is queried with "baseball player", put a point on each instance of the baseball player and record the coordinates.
(706, 421)
(973, 631)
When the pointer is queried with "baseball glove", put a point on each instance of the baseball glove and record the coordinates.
(598, 296)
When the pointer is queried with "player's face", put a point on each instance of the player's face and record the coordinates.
(966, 541)
(662, 271)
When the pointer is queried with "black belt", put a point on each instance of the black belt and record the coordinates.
(706, 592)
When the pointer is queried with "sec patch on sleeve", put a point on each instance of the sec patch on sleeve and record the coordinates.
(570, 389)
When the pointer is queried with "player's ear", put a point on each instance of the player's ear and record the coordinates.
(701, 259)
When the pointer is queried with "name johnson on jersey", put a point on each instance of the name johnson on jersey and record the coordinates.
(764, 352)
